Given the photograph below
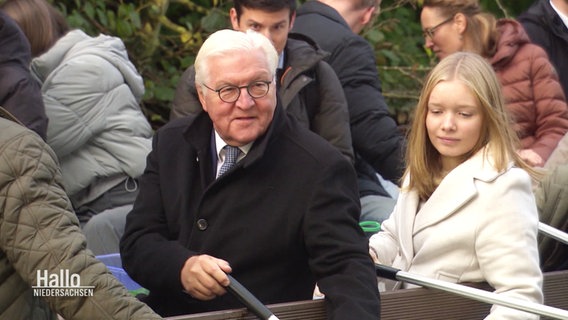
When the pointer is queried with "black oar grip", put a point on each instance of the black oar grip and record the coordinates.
(386, 272)
(250, 301)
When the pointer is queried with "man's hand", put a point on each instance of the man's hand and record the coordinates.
(205, 277)
(373, 255)
(531, 157)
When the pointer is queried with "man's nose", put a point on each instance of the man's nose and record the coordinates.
(265, 32)
(245, 100)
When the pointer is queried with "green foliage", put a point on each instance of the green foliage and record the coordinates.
(163, 36)
(401, 59)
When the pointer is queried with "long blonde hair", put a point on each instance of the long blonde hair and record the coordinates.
(423, 160)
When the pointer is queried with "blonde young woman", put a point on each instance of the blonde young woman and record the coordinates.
(533, 94)
(466, 211)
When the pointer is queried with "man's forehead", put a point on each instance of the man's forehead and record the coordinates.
(227, 70)
(258, 16)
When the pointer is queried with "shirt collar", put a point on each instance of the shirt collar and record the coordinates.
(562, 16)
(281, 60)
(220, 144)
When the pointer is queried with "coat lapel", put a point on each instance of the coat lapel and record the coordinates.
(408, 207)
(457, 188)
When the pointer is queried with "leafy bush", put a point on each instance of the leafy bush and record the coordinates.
(163, 37)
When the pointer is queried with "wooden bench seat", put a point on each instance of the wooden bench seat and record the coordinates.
(409, 304)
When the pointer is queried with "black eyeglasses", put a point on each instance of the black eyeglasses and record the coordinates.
(230, 94)
(429, 32)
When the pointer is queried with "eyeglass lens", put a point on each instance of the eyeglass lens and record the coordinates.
(256, 89)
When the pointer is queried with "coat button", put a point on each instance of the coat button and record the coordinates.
(202, 224)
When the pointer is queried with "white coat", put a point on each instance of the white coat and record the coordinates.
(478, 225)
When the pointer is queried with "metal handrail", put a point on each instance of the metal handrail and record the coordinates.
(553, 232)
(472, 293)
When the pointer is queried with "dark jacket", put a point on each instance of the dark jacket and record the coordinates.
(20, 93)
(376, 138)
(285, 217)
(547, 30)
(309, 89)
(533, 95)
(40, 232)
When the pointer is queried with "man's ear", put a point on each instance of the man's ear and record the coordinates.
(292, 19)
(199, 90)
(234, 19)
(367, 15)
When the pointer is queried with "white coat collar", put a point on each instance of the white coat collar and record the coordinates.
(455, 190)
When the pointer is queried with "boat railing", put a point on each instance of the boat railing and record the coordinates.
(408, 304)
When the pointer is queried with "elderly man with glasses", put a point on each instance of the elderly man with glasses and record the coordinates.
(241, 188)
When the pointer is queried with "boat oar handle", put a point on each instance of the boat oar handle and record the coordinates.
(386, 272)
(249, 300)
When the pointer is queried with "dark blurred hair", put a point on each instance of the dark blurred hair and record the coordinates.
(42, 24)
(264, 5)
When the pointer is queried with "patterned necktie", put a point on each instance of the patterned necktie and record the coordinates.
(231, 156)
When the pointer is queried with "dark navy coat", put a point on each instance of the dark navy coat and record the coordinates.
(285, 218)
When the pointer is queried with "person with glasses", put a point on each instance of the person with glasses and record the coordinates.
(242, 188)
(530, 83)
(308, 87)
(429, 32)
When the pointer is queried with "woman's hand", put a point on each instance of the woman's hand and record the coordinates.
(531, 157)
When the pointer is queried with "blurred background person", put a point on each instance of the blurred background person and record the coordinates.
(19, 92)
(377, 142)
(91, 93)
(40, 233)
(546, 23)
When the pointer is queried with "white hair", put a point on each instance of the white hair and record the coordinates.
(225, 42)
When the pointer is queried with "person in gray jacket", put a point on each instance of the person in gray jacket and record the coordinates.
(91, 93)
(40, 235)
(308, 86)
